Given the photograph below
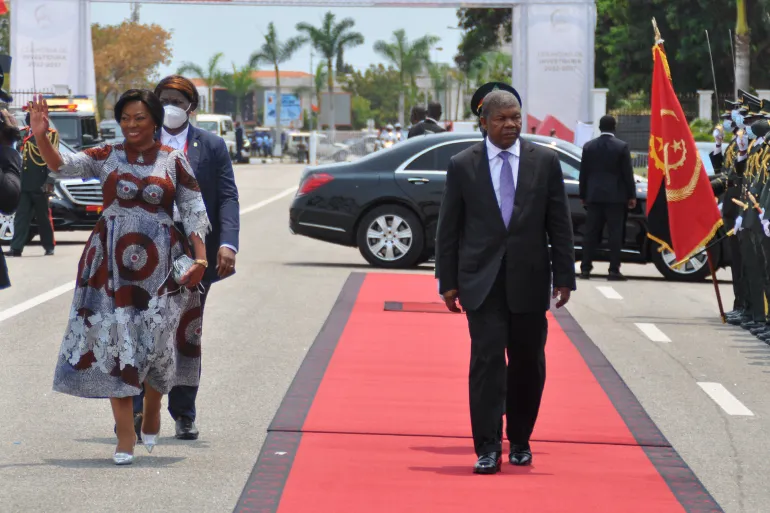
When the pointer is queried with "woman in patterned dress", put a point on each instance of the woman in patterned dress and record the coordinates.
(130, 322)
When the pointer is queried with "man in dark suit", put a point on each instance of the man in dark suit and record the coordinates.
(430, 124)
(211, 164)
(504, 202)
(608, 190)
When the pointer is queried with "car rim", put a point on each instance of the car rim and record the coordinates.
(693, 265)
(389, 238)
(6, 227)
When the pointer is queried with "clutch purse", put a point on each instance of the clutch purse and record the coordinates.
(181, 265)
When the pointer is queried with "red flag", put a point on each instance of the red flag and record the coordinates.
(682, 214)
(3, 7)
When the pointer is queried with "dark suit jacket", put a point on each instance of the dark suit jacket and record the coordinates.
(472, 238)
(213, 169)
(606, 173)
(427, 126)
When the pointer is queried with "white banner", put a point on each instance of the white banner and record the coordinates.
(352, 3)
(49, 47)
(554, 65)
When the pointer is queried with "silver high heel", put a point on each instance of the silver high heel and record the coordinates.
(124, 458)
(150, 441)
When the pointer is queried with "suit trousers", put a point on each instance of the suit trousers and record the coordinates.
(496, 388)
(752, 273)
(613, 215)
(181, 399)
(736, 268)
(32, 204)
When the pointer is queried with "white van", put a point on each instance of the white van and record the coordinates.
(220, 125)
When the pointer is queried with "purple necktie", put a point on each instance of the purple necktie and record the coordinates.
(507, 188)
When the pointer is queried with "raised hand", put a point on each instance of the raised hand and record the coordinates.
(38, 116)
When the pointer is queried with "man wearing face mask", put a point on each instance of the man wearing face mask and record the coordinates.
(211, 163)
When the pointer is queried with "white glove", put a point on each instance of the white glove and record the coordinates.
(719, 207)
(718, 136)
(762, 214)
(766, 227)
(738, 223)
(743, 142)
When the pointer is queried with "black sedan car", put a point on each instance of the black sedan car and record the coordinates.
(386, 204)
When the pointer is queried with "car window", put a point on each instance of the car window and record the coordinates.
(437, 159)
(68, 130)
(229, 125)
(569, 168)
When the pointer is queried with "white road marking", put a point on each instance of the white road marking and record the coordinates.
(35, 301)
(652, 332)
(58, 291)
(269, 200)
(609, 292)
(725, 399)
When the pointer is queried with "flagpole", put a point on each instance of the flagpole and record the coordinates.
(716, 286)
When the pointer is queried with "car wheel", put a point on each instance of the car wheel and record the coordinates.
(391, 237)
(695, 269)
(6, 228)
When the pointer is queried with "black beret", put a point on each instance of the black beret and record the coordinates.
(481, 92)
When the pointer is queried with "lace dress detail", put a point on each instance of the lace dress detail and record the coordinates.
(129, 320)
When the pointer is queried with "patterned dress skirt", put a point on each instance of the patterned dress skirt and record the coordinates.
(130, 321)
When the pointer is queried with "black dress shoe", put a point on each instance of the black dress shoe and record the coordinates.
(489, 463)
(616, 276)
(13, 253)
(137, 427)
(584, 275)
(48, 252)
(737, 321)
(520, 455)
(751, 324)
(765, 337)
(185, 429)
(762, 328)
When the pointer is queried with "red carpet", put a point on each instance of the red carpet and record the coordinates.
(377, 420)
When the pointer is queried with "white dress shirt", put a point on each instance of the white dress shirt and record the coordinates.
(178, 142)
(496, 165)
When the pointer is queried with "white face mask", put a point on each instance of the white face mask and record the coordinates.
(174, 117)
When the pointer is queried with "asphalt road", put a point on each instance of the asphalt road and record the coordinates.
(55, 449)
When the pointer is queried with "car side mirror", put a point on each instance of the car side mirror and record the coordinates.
(88, 139)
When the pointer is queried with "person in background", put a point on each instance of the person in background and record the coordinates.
(553, 132)
(533, 130)
(210, 161)
(430, 124)
(34, 196)
(416, 115)
(238, 142)
(10, 181)
(608, 191)
(398, 132)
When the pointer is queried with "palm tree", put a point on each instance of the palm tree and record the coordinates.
(409, 60)
(211, 76)
(275, 52)
(494, 67)
(742, 48)
(239, 83)
(439, 76)
(330, 40)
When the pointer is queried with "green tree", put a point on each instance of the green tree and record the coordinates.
(484, 30)
(408, 58)
(362, 111)
(380, 87)
(239, 83)
(5, 36)
(211, 76)
(275, 52)
(330, 40)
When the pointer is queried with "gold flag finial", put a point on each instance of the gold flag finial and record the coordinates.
(658, 39)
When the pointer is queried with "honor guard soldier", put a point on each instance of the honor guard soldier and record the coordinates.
(754, 314)
(35, 189)
(727, 185)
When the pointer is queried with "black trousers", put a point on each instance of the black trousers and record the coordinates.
(736, 268)
(752, 274)
(613, 215)
(495, 388)
(181, 399)
(32, 204)
(765, 246)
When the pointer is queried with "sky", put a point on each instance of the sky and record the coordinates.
(199, 31)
